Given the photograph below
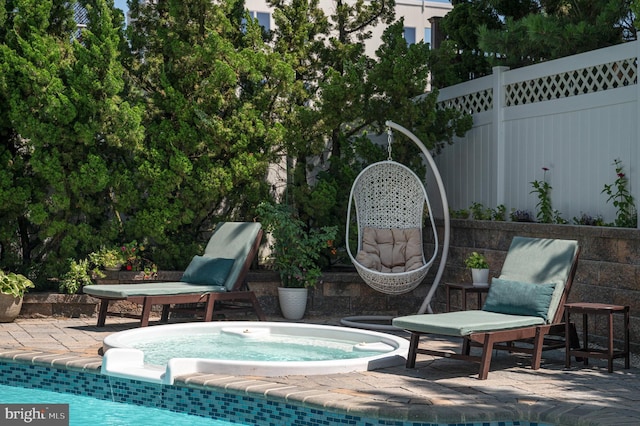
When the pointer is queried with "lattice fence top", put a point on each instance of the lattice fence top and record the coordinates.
(597, 78)
(472, 103)
(573, 83)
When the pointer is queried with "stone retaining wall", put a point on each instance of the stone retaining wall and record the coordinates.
(608, 272)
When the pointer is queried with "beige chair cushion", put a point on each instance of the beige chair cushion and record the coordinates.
(391, 250)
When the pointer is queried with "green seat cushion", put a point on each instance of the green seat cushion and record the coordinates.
(207, 270)
(464, 323)
(122, 291)
(518, 298)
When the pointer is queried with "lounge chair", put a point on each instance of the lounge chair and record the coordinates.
(524, 305)
(217, 276)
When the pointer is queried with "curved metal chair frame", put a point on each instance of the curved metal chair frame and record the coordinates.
(388, 195)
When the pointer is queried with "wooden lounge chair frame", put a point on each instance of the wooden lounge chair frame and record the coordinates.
(238, 293)
(527, 339)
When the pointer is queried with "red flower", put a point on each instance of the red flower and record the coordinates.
(620, 175)
(128, 267)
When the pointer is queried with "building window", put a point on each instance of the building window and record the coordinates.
(409, 35)
(427, 36)
(264, 19)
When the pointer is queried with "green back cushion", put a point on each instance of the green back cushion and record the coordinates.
(233, 240)
(518, 298)
(540, 260)
(207, 270)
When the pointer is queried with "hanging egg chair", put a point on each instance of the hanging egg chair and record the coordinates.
(390, 202)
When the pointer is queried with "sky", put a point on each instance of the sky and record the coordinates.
(122, 4)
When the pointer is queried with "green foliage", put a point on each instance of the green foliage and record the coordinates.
(619, 195)
(480, 34)
(356, 98)
(557, 29)
(589, 220)
(459, 214)
(476, 261)
(543, 189)
(107, 258)
(75, 277)
(459, 59)
(478, 212)
(216, 99)
(14, 284)
(499, 214)
(68, 135)
(82, 272)
(296, 249)
(168, 131)
(136, 258)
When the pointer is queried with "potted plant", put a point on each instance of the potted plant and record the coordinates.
(12, 289)
(479, 268)
(109, 259)
(296, 253)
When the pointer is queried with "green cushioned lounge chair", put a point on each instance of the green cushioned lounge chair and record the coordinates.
(524, 306)
(217, 276)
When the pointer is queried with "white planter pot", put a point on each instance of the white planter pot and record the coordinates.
(113, 268)
(293, 302)
(480, 277)
(9, 307)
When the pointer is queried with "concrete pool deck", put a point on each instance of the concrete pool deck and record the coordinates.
(439, 390)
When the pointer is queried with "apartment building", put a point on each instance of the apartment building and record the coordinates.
(417, 16)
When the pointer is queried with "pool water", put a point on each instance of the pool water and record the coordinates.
(272, 347)
(85, 410)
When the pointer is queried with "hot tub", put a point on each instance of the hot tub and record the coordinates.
(160, 353)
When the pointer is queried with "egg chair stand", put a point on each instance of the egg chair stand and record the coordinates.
(389, 200)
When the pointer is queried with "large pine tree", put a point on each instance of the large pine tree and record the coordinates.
(215, 95)
(68, 134)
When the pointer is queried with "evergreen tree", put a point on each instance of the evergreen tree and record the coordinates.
(215, 99)
(557, 28)
(68, 134)
(484, 33)
(344, 95)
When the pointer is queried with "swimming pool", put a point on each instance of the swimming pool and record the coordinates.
(210, 403)
(84, 410)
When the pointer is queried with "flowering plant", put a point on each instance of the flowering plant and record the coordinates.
(520, 216)
(622, 200)
(135, 261)
(131, 253)
(295, 248)
(543, 189)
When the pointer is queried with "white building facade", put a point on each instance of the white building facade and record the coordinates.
(416, 13)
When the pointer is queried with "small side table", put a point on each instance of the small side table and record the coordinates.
(585, 352)
(465, 288)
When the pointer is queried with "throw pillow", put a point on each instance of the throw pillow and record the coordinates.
(518, 298)
(207, 270)
(391, 250)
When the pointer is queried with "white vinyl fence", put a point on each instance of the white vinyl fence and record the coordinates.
(574, 116)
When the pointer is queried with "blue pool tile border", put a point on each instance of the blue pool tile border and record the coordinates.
(195, 401)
